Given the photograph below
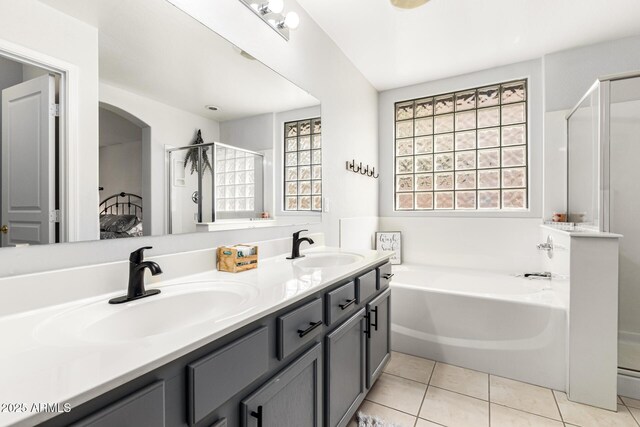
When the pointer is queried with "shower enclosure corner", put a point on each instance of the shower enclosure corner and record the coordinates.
(210, 182)
(603, 179)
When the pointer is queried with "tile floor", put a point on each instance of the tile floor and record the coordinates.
(416, 392)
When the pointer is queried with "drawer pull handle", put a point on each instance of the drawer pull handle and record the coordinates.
(258, 415)
(311, 327)
(387, 276)
(375, 322)
(347, 303)
(367, 326)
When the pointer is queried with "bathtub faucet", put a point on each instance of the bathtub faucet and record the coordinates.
(545, 275)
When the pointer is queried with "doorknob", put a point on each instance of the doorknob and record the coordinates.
(4, 229)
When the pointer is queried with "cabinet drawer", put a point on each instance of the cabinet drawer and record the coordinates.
(366, 285)
(384, 275)
(299, 327)
(142, 408)
(216, 378)
(341, 302)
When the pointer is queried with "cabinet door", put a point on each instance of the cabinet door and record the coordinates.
(345, 370)
(141, 409)
(378, 335)
(293, 398)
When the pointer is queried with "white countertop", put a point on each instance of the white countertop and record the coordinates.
(584, 232)
(33, 369)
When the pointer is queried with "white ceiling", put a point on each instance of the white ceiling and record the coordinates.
(152, 48)
(394, 47)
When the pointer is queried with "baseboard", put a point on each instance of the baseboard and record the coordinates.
(629, 383)
(627, 336)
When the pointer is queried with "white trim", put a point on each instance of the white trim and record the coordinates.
(604, 154)
(69, 113)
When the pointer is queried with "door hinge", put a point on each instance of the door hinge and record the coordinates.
(54, 110)
(54, 215)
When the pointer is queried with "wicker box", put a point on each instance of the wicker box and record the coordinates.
(229, 260)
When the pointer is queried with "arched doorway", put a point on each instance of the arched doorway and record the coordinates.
(124, 165)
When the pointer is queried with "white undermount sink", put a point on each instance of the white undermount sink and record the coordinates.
(327, 259)
(176, 307)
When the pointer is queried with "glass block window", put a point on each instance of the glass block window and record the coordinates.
(303, 165)
(235, 180)
(463, 151)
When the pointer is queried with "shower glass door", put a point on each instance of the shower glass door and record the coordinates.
(583, 155)
(624, 211)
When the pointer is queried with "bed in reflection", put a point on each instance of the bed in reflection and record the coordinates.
(121, 216)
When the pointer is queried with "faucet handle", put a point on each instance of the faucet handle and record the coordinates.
(296, 235)
(137, 256)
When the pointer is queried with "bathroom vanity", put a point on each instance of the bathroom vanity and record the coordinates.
(302, 349)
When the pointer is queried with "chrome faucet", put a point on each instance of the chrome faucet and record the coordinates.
(547, 247)
(295, 249)
(136, 288)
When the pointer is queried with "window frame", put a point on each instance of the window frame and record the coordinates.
(477, 211)
(311, 164)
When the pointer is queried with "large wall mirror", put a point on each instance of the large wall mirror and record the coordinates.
(193, 133)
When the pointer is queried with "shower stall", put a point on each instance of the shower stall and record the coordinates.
(211, 182)
(603, 191)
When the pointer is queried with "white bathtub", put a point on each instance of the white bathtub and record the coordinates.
(496, 323)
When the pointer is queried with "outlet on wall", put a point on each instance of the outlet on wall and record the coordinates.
(325, 204)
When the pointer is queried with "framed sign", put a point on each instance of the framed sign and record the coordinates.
(390, 241)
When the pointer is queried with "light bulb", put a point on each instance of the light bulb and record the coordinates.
(275, 6)
(292, 20)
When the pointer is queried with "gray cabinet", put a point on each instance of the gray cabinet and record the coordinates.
(140, 409)
(345, 370)
(298, 327)
(216, 378)
(378, 335)
(384, 275)
(293, 398)
(366, 285)
(341, 303)
(309, 364)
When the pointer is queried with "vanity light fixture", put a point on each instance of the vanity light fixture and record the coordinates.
(270, 6)
(272, 12)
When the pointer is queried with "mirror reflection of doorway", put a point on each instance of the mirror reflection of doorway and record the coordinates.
(29, 206)
(121, 174)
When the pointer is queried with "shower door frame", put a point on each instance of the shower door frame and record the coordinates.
(602, 88)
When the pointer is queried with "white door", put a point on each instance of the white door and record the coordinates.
(28, 162)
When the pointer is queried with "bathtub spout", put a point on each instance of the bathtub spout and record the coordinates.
(545, 275)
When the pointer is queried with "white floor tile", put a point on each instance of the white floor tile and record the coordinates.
(502, 416)
(411, 367)
(461, 380)
(632, 403)
(522, 396)
(398, 393)
(589, 416)
(425, 423)
(453, 409)
(636, 414)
